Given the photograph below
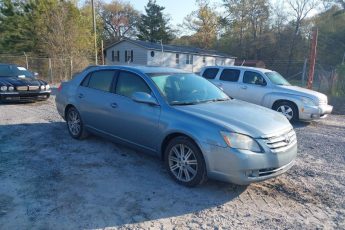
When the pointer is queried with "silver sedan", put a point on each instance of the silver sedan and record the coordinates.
(195, 128)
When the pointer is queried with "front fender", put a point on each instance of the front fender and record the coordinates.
(271, 98)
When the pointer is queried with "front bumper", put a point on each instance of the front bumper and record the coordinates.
(26, 96)
(315, 112)
(245, 167)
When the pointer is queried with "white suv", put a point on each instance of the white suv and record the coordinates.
(268, 88)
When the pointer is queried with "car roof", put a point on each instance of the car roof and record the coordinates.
(143, 69)
(240, 67)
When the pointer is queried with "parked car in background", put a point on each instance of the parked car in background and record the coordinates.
(269, 89)
(19, 84)
(192, 125)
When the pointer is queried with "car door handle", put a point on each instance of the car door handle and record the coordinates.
(113, 105)
(244, 87)
(219, 84)
(81, 95)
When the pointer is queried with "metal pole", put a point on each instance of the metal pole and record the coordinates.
(50, 73)
(304, 71)
(162, 53)
(102, 52)
(312, 58)
(94, 31)
(27, 63)
(71, 67)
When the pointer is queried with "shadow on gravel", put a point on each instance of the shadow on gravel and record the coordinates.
(300, 124)
(69, 184)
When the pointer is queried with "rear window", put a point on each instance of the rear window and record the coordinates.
(210, 73)
(101, 80)
(230, 75)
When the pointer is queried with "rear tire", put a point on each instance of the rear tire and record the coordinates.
(184, 162)
(288, 109)
(75, 124)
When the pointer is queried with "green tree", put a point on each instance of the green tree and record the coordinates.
(153, 26)
(17, 34)
(204, 23)
(119, 20)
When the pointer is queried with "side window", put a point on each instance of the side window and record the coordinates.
(230, 75)
(210, 73)
(250, 77)
(129, 83)
(86, 80)
(101, 80)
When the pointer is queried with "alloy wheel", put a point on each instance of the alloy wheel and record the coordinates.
(183, 163)
(286, 110)
(74, 123)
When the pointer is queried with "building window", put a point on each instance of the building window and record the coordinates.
(204, 59)
(189, 59)
(177, 58)
(115, 56)
(128, 55)
(152, 53)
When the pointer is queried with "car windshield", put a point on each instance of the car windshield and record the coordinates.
(276, 78)
(186, 88)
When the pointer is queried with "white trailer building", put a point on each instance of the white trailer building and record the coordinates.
(134, 52)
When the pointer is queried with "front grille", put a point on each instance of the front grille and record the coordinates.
(323, 101)
(22, 88)
(281, 142)
(33, 87)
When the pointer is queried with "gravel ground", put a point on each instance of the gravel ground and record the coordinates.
(50, 181)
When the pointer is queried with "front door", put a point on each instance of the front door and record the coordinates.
(253, 87)
(134, 122)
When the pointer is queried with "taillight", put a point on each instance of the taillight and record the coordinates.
(60, 88)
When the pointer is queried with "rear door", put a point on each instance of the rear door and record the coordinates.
(134, 122)
(229, 81)
(95, 98)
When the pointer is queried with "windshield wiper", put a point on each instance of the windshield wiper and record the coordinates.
(184, 103)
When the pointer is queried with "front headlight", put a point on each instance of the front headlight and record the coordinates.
(10, 88)
(240, 141)
(308, 101)
(3, 88)
(43, 87)
(47, 87)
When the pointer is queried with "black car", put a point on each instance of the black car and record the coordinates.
(17, 85)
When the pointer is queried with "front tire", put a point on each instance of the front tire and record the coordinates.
(75, 124)
(185, 163)
(288, 109)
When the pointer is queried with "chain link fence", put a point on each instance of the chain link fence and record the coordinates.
(52, 70)
(55, 70)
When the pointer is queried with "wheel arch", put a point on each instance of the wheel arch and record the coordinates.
(275, 103)
(173, 135)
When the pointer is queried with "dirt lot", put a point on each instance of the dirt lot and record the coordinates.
(50, 181)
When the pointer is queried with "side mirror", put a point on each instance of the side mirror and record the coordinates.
(145, 98)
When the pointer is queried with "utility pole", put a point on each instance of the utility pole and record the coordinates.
(312, 58)
(94, 31)
(343, 59)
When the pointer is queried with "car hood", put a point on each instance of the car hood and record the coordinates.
(302, 92)
(241, 117)
(16, 81)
